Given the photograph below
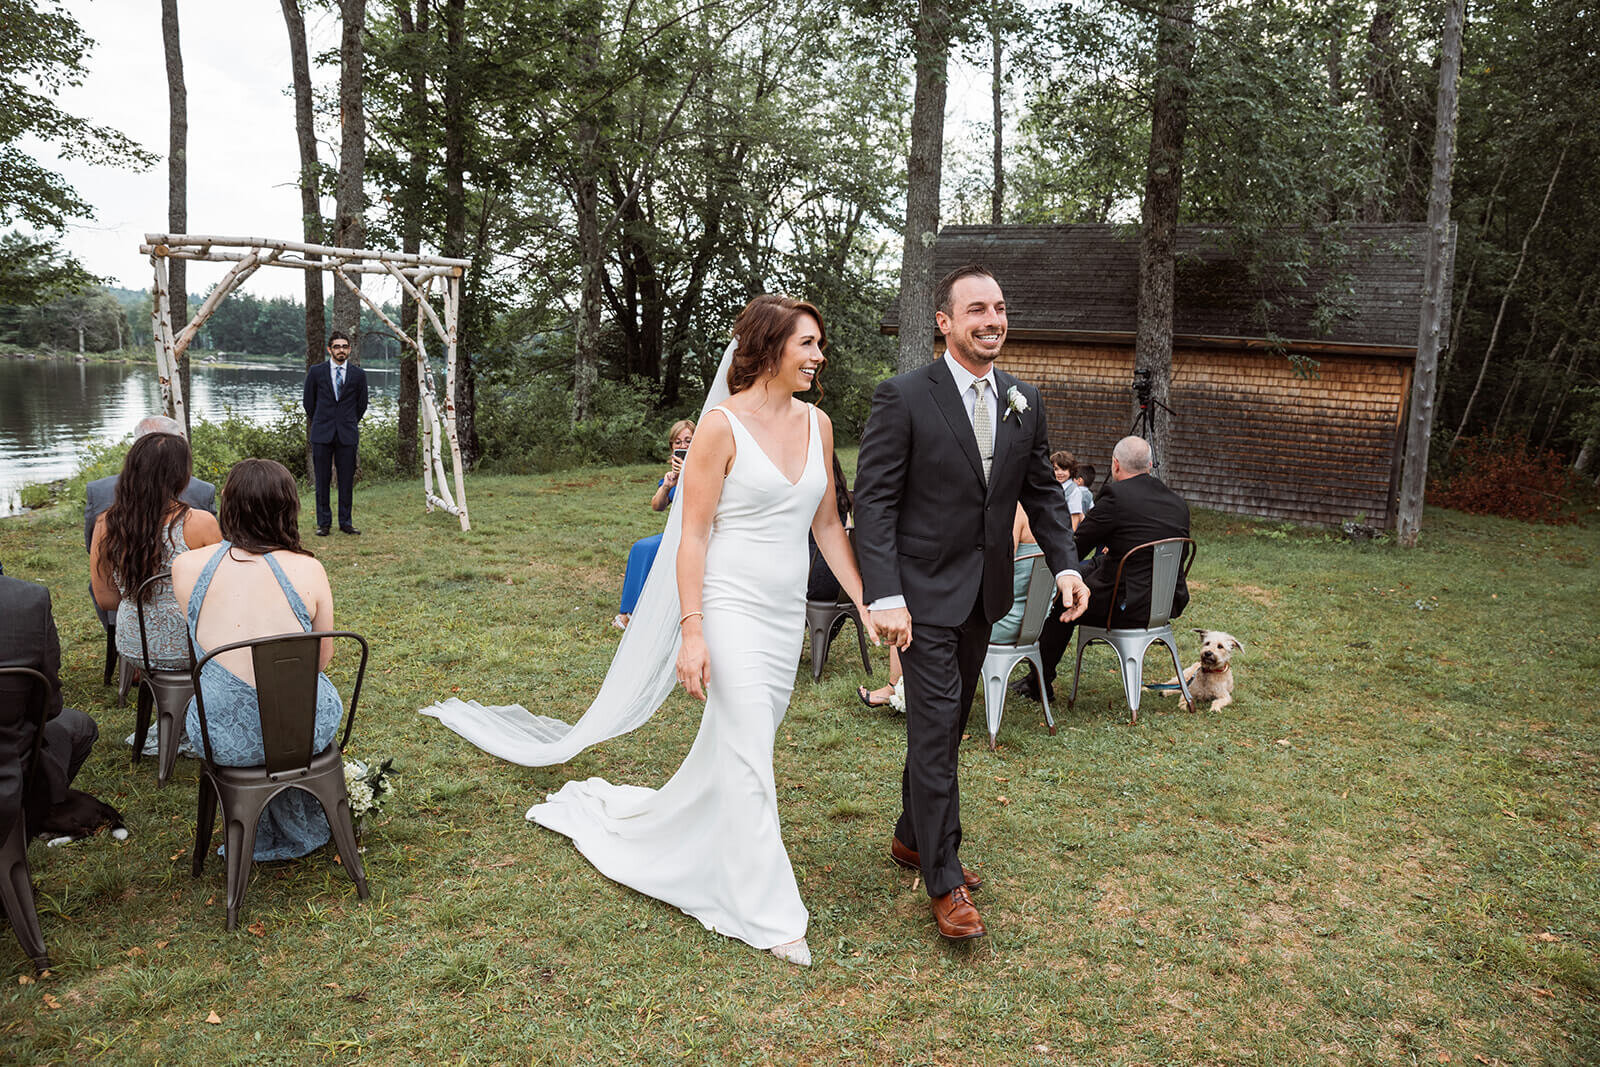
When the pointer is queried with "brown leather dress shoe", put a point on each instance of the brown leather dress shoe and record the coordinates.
(910, 860)
(956, 917)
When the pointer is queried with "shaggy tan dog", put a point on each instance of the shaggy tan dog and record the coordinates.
(1211, 678)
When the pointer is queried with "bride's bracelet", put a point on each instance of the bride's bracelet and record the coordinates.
(691, 615)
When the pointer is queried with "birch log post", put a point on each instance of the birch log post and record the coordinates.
(166, 355)
(452, 306)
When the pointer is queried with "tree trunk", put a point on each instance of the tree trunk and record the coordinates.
(177, 184)
(1505, 299)
(1436, 271)
(998, 199)
(411, 233)
(591, 252)
(455, 224)
(349, 227)
(931, 37)
(1561, 401)
(1169, 120)
(310, 204)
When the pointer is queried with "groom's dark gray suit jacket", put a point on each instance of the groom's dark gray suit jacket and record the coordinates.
(927, 528)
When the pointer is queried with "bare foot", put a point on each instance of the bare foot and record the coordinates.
(621, 621)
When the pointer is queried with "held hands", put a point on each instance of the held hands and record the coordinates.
(868, 624)
(694, 665)
(892, 627)
(1074, 596)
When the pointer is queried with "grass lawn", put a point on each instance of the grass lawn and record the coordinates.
(1384, 851)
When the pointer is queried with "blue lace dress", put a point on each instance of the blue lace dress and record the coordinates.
(293, 824)
(163, 619)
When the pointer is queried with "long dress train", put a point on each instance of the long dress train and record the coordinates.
(709, 841)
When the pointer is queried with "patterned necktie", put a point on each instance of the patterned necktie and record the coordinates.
(982, 427)
(338, 380)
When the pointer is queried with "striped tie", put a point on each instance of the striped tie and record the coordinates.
(982, 427)
(338, 380)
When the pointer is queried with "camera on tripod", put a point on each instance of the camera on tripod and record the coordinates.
(1143, 383)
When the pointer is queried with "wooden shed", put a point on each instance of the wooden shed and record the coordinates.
(1290, 386)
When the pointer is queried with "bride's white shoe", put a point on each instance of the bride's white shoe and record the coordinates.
(796, 952)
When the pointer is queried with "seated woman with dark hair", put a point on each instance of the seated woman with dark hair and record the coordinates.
(148, 526)
(642, 556)
(259, 582)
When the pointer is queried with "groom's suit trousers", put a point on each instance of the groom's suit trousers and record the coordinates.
(942, 667)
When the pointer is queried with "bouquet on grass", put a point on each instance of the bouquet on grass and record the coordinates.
(368, 787)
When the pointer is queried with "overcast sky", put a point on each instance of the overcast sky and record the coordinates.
(243, 158)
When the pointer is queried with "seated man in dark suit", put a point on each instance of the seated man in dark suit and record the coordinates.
(28, 639)
(1134, 508)
(102, 491)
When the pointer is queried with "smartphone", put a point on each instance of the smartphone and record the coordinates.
(679, 453)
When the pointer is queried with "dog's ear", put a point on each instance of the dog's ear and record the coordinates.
(1237, 644)
(1201, 632)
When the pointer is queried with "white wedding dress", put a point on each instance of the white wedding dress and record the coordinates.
(708, 841)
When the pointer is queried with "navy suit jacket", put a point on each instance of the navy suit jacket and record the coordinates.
(335, 422)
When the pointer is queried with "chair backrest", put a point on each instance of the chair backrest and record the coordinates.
(24, 695)
(1041, 592)
(1170, 557)
(286, 667)
(138, 605)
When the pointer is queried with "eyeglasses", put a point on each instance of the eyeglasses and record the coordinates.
(338, 348)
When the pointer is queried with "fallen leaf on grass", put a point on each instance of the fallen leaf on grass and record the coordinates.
(258, 928)
(1444, 1057)
(330, 985)
(52, 1003)
(162, 944)
(1543, 993)
(134, 951)
(24, 979)
(1003, 800)
(1284, 741)
(1479, 1057)
(1548, 936)
(214, 1019)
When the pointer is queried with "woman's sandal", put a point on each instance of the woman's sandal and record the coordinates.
(864, 694)
(795, 952)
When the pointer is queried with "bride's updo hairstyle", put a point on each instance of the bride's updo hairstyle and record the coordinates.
(762, 328)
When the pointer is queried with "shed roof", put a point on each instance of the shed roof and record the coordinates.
(1070, 279)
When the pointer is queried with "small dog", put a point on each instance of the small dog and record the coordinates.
(1212, 678)
(80, 815)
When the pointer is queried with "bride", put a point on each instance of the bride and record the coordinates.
(757, 477)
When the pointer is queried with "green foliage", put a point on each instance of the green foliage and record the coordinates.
(33, 272)
(526, 424)
(217, 446)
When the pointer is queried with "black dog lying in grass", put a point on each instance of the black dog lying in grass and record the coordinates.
(78, 816)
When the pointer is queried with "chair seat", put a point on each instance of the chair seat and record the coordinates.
(327, 760)
(171, 692)
(998, 663)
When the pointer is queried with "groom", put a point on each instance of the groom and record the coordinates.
(948, 452)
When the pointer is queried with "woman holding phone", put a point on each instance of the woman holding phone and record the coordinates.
(643, 553)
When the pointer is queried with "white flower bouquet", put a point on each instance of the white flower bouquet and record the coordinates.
(897, 699)
(368, 787)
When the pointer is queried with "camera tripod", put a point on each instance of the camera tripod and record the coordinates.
(1144, 423)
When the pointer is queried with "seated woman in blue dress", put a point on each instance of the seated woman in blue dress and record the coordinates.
(258, 582)
(643, 553)
(1005, 631)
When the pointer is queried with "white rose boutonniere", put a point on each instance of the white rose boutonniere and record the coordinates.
(1015, 402)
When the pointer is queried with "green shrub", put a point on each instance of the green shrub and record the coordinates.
(526, 425)
(218, 446)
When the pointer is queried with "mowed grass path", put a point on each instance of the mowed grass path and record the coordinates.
(1384, 851)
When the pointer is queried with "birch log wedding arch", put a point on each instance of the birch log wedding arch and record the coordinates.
(416, 275)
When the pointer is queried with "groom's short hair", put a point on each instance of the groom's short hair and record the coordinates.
(941, 295)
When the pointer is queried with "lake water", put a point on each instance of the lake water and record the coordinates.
(51, 410)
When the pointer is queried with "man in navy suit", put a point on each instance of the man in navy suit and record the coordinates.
(335, 400)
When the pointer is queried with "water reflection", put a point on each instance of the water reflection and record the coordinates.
(51, 411)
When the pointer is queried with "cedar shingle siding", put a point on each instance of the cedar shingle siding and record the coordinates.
(1254, 437)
